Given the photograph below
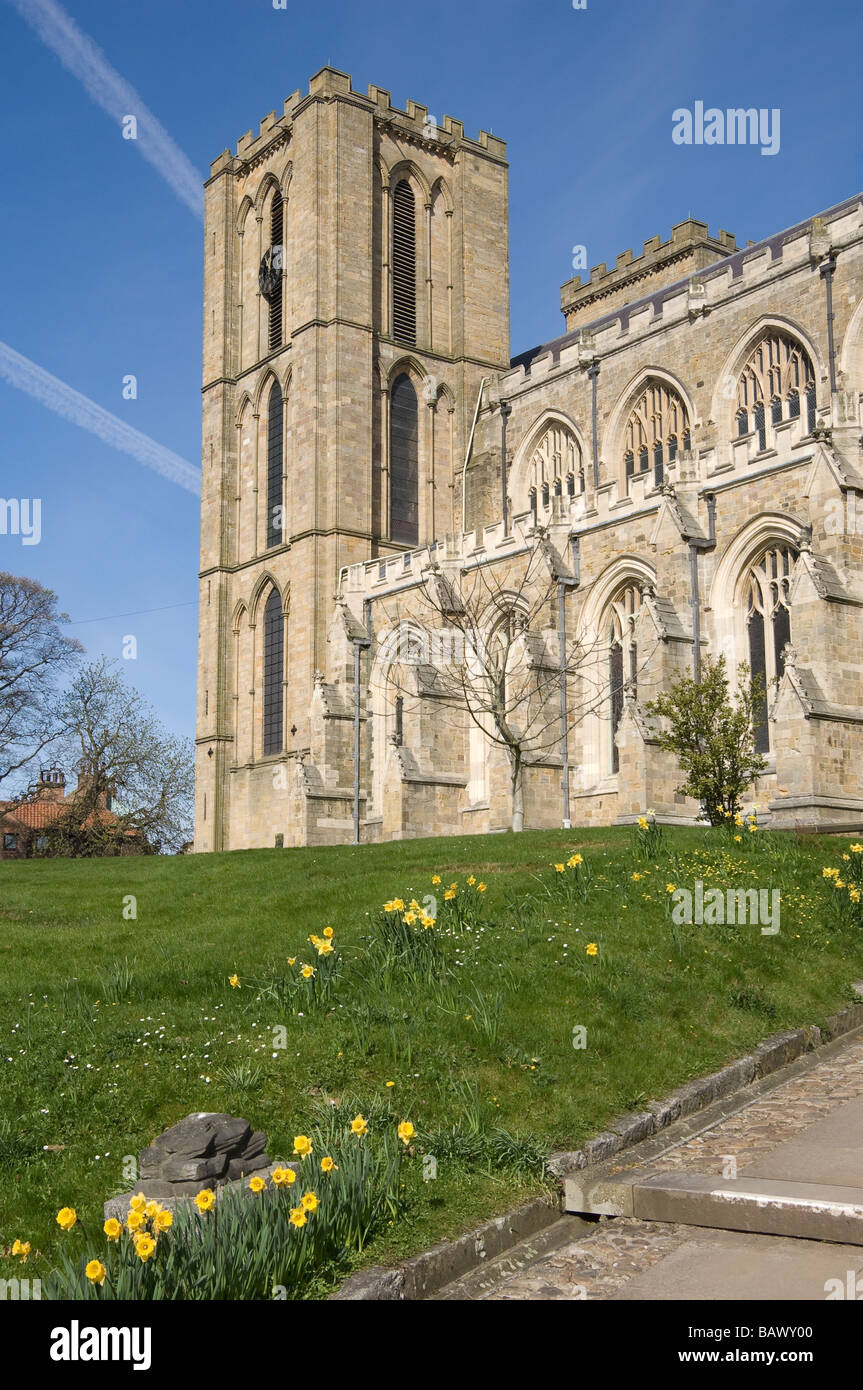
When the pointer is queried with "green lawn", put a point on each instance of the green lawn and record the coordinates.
(112, 1029)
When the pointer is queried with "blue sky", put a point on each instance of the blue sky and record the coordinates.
(101, 260)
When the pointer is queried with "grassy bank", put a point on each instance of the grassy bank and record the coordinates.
(113, 1027)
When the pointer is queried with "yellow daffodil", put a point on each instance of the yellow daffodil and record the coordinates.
(574, 861)
(435, 879)
(283, 1177)
(96, 1272)
(292, 960)
(324, 948)
(406, 1131)
(66, 1218)
(307, 972)
(302, 1145)
(856, 849)
(298, 1216)
(329, 933)
(257, 1184)
(359, 1126)
(234, 982)
(592, 949)
(21, 1249)
(670, 888)
(163, 1220)
(410, 918)
(642, 823)
(480, 887)
(310, 1201)
(328, 1166)
(152, 1209)
(135, 1220)
(471, 881)
(449, 895)
(145, 1246)
(398, 904)
(138, 1202)
(206, 1200)
(112, 1228)
(559, 868)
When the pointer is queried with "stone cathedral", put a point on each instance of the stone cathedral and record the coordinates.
(680, 470)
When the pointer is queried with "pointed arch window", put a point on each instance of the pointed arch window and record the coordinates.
(777, 374)
(404, 263)
(404, 462)
(767, 592)
(555, 459)
(274, 675)
(657, 422)
(622, 660)
(275, 440)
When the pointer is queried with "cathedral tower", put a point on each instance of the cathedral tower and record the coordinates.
(356, 293)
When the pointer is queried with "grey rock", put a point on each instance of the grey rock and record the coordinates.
(203, 1150)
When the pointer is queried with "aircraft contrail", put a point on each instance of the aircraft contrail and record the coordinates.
(86, 61)
(50, 391)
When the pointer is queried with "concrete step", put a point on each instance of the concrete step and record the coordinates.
(813, 1211)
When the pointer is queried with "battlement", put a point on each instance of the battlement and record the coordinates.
(690, 248)
(329, 84)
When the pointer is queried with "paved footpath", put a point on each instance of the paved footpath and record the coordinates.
(807, 1129)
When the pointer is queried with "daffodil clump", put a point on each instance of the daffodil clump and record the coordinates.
(464, 904)
(649, 837)
(846, 884)
(571, 880)
(288, 1226)
(309, 981)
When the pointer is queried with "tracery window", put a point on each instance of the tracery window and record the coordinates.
(767, 592)
(555, 459)
(656, 431)
(404, 462)
(275, 437)
(777, 376)
(622, 658)
(274, 675)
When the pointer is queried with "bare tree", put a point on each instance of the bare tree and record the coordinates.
(34, 653)
(487, 640)
(127, 761)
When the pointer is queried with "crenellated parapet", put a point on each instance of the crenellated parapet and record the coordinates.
(414, 124)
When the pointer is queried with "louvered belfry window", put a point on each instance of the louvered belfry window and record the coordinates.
(275, 430)
(404, 264)
(274, 337)
(274, 668)
(404, 462)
